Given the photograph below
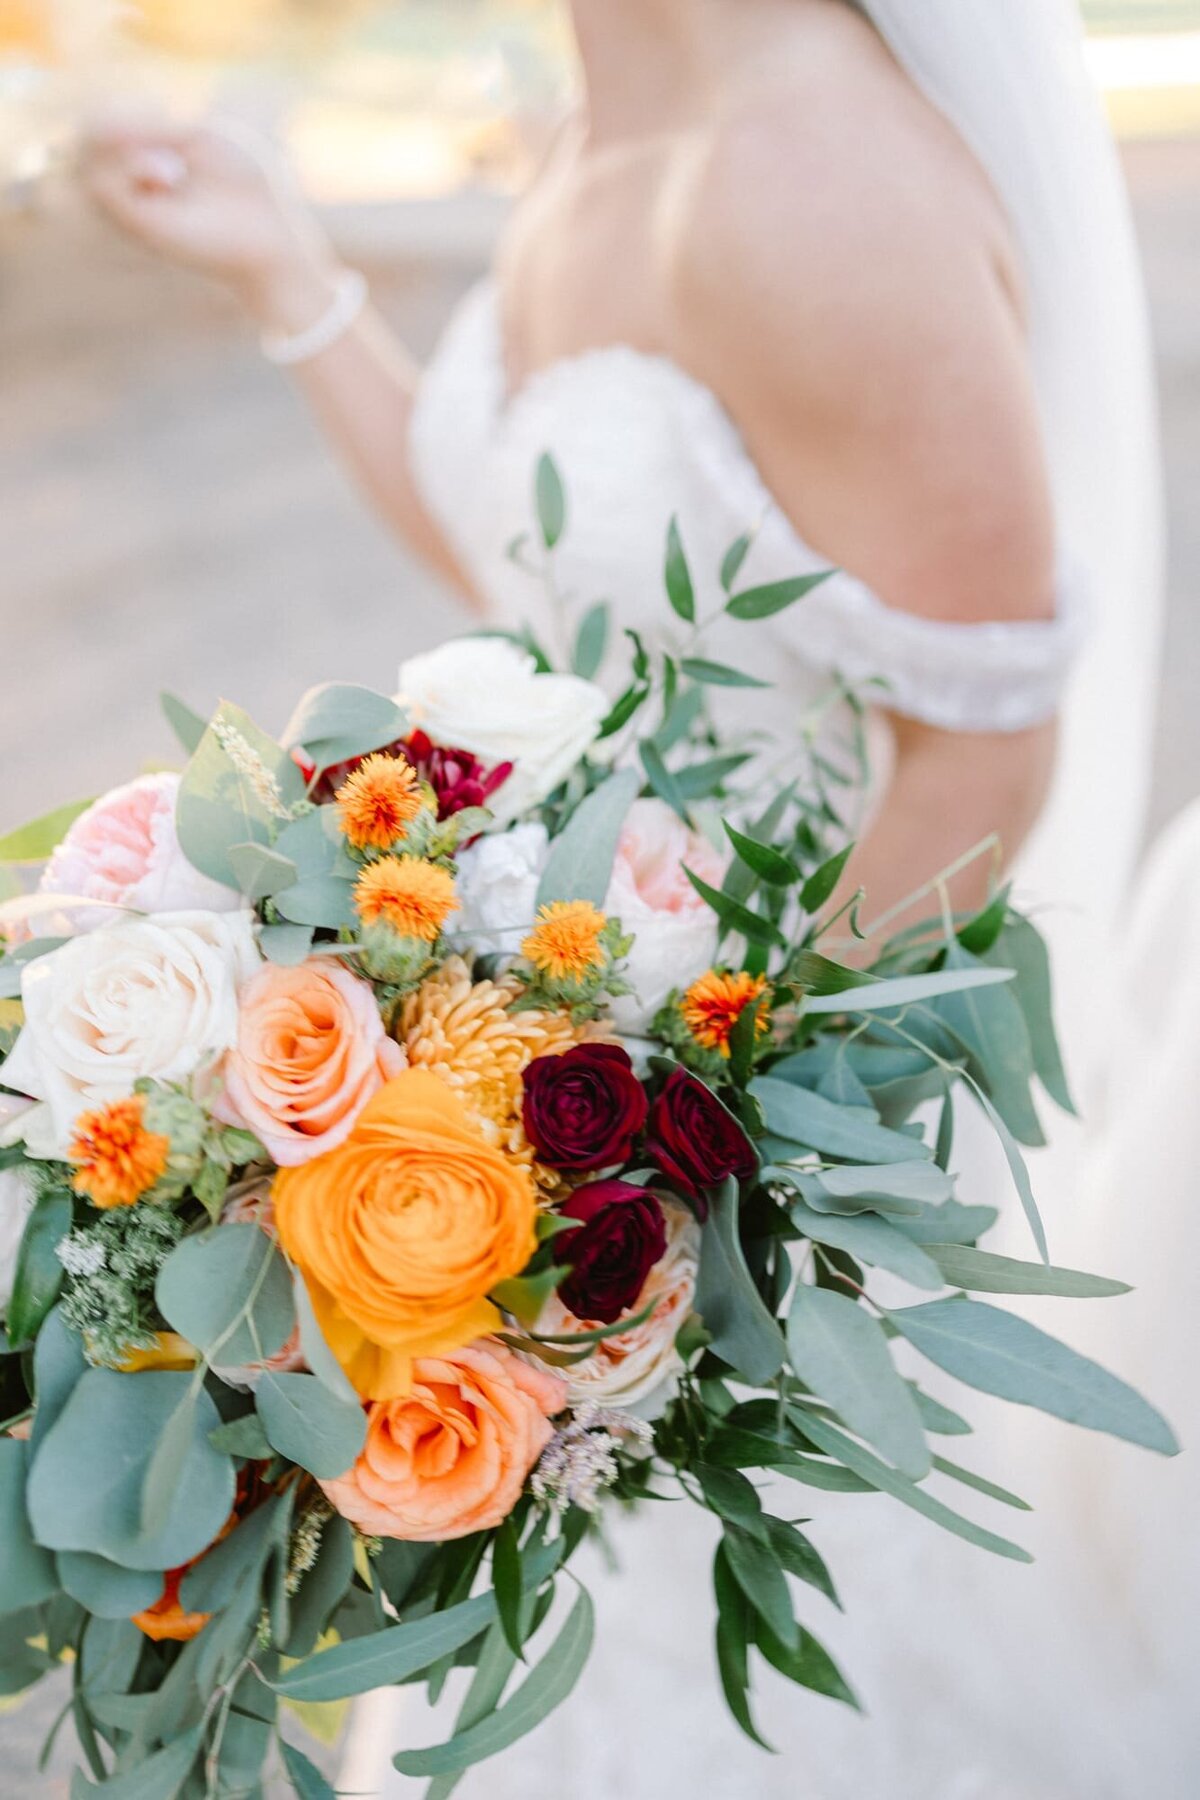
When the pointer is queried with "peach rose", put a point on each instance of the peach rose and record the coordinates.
(403, 1231)
(311, 1050)
(675, 931)
(451, 1457)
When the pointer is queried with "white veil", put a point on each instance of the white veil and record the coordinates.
(1010, 76)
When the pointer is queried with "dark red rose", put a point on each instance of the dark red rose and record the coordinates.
(584, 1109)
(622, 1234)
(694, 1141)
(457, 778)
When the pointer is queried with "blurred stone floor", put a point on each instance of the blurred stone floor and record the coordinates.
(169, 518)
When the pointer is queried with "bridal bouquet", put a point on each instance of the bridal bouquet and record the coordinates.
(431, 1131)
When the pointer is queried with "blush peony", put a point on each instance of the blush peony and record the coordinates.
(403, 1231)
(452, 1455)
(675, 931)
(311, 1050)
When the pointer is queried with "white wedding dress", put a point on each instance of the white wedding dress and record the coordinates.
(982, 1681)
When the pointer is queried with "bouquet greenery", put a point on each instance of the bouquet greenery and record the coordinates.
(431, 1131)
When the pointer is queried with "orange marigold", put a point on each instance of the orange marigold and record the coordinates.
(378, 801)
(414, 897)
(118, 1159)
(565, 942)
(713, 1005)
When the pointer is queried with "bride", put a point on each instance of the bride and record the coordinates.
(860, 281)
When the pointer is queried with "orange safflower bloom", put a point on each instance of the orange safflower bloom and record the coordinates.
(166, 1621)
(713, 1005)
(412, 896)
(378, 801)
(118, 1159)
(565, 942)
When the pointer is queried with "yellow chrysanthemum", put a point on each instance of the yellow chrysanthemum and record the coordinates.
(464, 1031)
(378, 801)
(565, 942)
(117, 1159)
(713, 1005)
(414, 897)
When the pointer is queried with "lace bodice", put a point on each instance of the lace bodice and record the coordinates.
(638, 440)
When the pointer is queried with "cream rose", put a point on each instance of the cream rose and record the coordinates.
(675, 931)
(485, 695)
(498, 879)
(150, 998)
(124, 851)
(638, 1368)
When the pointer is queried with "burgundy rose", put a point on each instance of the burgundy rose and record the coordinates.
(622, 1234)
(457, 778)
(583, 1109)
(693, 1140)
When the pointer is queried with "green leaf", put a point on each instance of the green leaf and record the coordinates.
(228, 1291)
(309, 1425)
(187, 725)
(58, 1364)
(809, 1665)
(1022, 948)
(979, 934)
(581, 858)
(286, 945)
(104, 1588)
(260, 871)
(623, 709)
(734, 1620)
(705, 778)
(798, 1557)
(39, 1274)
(744, 1331)
(906, 990)
(835, 1443)
(338, 721)
(821, 883)
(304, 1775)
(661, 779)
(903, 1188)
(734, 1499)
(551, 501)
(733, 916)
(678, 576)
(805, 1118)
(734, 557)
(402, 1651)
(870, 1239)
(985, 1273)
(938, 1418)
(317, 1354)
(539, 1694)
(34, 842)
(160, 1777)
(591, 640)
(167, 1456)
(223, 801)
(980, 1484)
(506, 1581)
(242, 1437)
(322, 1588)
(757, 1571)
(768, 864)
(496, 1663)
(322, 902)
(992, 1027)
(85, 1489)
(839, 1351)
(764, 602)
(1019, 1171)
(715, 674)
(1003, 1355)
(238, 1560)
(27, 1572)
(950, 1223)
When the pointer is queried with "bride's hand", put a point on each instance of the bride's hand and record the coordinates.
(217, 199)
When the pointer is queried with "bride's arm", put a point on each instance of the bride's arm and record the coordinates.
(872, 351)
(218, 203)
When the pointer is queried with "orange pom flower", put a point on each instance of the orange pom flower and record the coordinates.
(713, 1005)
(378, 801)
(414, 897)
(565, 942)
(118, 1159)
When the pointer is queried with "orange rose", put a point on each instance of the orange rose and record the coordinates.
(311, 1050)
(403, 1231)
(451, 1457)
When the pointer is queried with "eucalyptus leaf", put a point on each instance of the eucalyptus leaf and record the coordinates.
(260, 871)
(286, 945)
(591, 640)
(228, 1291)
(985, 1273)
(304, 1775)
(808, 1119)
(309, 1425)
(160, 1777)
(1004, 1355)
(661, 779)
(870, 1239)
(34, 842)
(990, 1023)
(906, 990)
(104, 1588)
(744, 1332)
(27, 1572)
(581, 858)
(550, 500)
(839, 1351)
(338, 721)
(235, 791)
(187, 725)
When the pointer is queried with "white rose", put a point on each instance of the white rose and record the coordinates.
(16, 1203)
(124, 851)
(152, 998)
(485, 695)
(638, 1369)
(498, 879)
(675, 931)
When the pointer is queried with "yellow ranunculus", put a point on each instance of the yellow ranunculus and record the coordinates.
(402, 1231)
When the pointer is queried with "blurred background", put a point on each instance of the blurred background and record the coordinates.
(169, 517)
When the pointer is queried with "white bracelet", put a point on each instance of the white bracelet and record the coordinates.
(289, 348)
